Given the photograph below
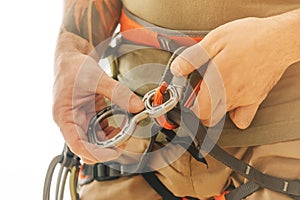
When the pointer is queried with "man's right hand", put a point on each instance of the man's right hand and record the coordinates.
(79, 90)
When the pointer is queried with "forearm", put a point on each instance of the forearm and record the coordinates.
(86, 24)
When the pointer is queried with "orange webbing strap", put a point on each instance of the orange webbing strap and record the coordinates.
(136, 33)
(147, 34)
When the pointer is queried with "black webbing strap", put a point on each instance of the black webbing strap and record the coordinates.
(159, 187)
(285, 186)
(186, 143)
(151, 177)
(106, 171)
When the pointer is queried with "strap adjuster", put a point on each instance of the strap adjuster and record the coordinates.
(100, 172)
(107, 171)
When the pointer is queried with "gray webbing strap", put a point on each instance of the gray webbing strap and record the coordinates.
(242, 191)
(245, 190)
(285, 186)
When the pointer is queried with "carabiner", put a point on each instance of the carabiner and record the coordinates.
(104, 115)
(130, 122)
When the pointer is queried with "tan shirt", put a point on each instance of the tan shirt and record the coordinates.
(204, 14)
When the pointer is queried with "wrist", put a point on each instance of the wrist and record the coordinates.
(287, 28)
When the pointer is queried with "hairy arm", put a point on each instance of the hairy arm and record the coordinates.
(86, 23)
(93, 20)
(79, 83)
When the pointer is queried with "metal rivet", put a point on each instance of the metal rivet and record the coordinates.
(285, 186)
(248, 170)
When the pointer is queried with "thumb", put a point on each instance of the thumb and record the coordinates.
(243, 116)
(196, 56)
(120, 94)
(93, 79)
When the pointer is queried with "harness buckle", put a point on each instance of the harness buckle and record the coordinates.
(103, 172)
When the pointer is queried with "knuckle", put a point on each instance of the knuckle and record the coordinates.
(74, 147)
(60, 116)
(55, 113)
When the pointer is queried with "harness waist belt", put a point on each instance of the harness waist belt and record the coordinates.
(142, 32)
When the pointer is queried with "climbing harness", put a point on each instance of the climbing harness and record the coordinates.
(168, 105)
(174, 89)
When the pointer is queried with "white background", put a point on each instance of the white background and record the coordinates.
(29, 137)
